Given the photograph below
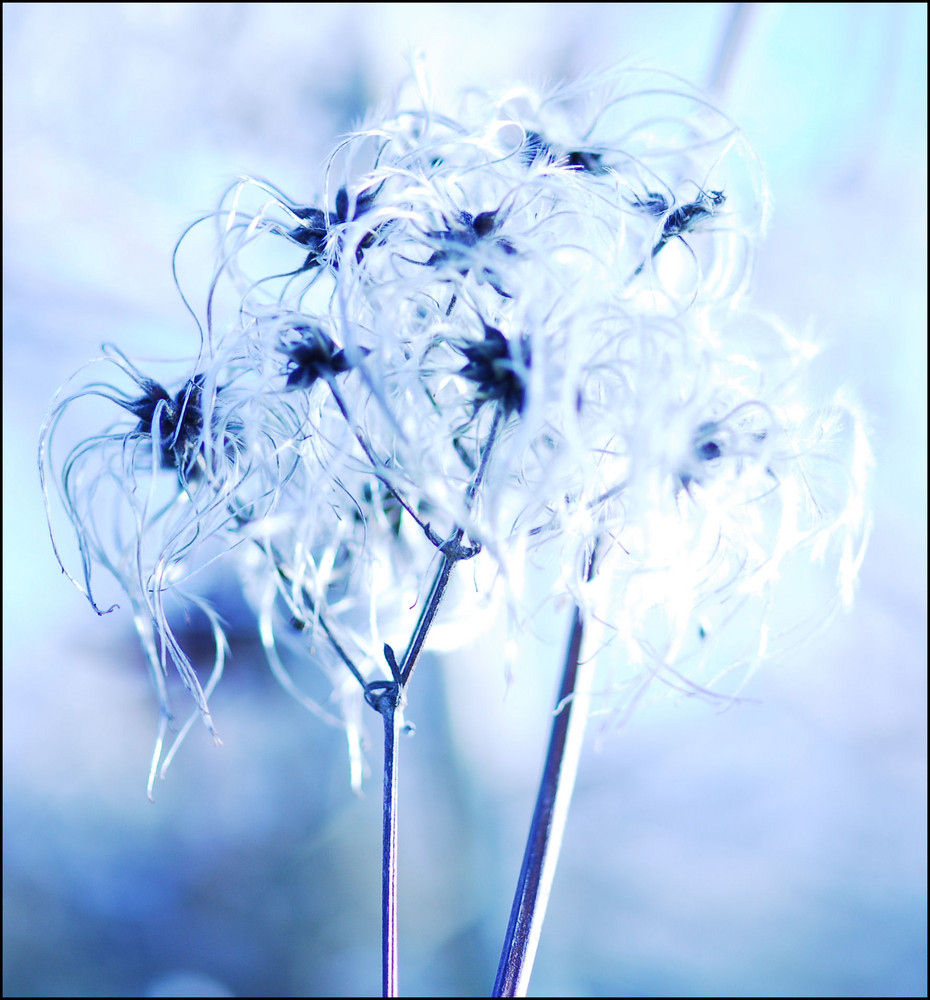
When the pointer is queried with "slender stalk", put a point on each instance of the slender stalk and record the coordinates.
(427, 615)
(452, 553)
(386, 697)
(544, 841)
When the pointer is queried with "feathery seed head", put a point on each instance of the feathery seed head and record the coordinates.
(586, 252)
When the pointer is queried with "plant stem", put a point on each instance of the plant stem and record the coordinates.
(544, 841)
(386, 697)
(451, 555)
(428, 614)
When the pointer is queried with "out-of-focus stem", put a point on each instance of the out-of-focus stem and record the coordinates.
(734, 34)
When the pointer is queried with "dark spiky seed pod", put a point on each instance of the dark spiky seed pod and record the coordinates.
(682, 219)
(458, 238)
(180, 420)
(495, 372)
(314, 356)
(537, 147)
(315, 226)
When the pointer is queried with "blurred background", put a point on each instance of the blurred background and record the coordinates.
(776, 849)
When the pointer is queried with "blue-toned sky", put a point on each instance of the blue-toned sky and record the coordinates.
(778, 849)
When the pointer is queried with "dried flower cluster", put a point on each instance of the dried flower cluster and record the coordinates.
(514, 336)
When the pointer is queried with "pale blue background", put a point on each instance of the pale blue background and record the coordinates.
(775, 850)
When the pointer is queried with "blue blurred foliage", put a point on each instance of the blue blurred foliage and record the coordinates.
(776, 850)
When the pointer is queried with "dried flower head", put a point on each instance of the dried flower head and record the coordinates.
(519, 330)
